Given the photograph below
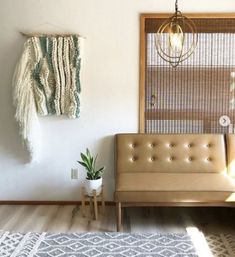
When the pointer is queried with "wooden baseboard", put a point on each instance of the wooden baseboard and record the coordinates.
(15, 202)
(112, 203)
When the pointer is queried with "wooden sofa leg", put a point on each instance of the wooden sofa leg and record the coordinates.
(119, 216)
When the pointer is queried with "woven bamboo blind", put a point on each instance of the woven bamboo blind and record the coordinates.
(192, 97)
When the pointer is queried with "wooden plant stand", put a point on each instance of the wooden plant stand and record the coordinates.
(94, 198)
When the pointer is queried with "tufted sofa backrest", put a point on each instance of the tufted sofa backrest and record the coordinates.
(185, 153)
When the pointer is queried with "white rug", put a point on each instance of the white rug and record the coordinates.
(109, 244)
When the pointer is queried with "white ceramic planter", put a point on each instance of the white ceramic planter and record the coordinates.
(91, 185)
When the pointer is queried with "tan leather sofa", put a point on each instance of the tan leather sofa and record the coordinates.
(174, 170)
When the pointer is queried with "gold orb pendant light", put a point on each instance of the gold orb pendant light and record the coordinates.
(176, 39)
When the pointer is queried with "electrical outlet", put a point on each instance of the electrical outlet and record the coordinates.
(74, 174)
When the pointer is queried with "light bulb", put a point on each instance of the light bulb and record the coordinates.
(176, 37)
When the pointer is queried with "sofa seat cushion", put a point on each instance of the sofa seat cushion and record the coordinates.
(170, 187)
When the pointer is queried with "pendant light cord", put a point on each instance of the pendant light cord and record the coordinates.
(176, 6)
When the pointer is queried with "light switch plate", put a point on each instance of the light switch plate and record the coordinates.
(74, 174)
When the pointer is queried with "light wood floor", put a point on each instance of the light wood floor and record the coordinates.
(162, 220)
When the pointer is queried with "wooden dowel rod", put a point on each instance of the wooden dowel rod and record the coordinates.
(49, 34)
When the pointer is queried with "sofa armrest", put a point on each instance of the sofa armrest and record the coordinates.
(230, 145)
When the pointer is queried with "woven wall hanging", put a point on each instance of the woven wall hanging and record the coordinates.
(46, 82)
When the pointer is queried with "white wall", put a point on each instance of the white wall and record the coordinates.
(109, 89)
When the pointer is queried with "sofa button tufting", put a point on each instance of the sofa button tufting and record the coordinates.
(171, 145)
(153, 158)
(208, 145)
(190, 159)
(209, 159)
(190, 145)
(134, 158)
(172, 158)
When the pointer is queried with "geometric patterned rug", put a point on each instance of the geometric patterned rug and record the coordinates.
(222, 245)
(109, 244)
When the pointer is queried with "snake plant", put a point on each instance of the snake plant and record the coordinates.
(89, 163)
